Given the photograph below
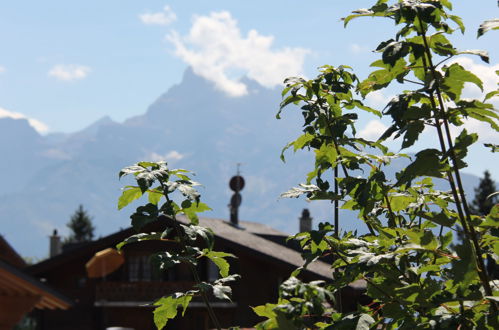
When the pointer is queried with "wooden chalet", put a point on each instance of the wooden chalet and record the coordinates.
(122, 298)
(21, 293)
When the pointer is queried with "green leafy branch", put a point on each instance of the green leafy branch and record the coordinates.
(162, 184)
(415, 276)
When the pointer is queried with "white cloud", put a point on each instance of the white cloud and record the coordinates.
(486, 134)
(174, 155)
(487, 73)
(377, 100)
(216, 50)
(165, 17)
(171, 157)
(46, 227)
(2, 69)
(259, 185)
(237, 129)
(69, 72)
(36, 124)
(358, 49)
(373, 130)
(55, 153)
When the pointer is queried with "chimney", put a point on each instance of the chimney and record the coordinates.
(305, 221)
(55, 244)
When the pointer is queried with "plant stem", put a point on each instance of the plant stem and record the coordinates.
(193, 270)
(465, 218)
(343, 167)
(336, 207)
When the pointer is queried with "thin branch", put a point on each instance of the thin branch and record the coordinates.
(193, 270)
(466, 219)
(414, 82)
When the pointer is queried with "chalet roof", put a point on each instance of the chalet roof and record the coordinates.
(9, 255)
(245, 238)
(14, 282)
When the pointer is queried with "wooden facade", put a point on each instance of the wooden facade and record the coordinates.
(122, 299)
(21, 293)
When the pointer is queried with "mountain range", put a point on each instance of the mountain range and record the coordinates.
(193, 126)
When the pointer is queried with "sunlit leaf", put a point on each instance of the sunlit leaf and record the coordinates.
(488, 25)
(129, 194)
(167, 308)
(218, 259)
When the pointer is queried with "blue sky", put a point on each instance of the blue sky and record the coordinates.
(65, 64)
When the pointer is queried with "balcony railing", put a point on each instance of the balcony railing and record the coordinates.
(138, 291)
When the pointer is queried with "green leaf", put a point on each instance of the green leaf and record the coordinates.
(129, 194)
(399, 202)
(377, 10)
(186, 187)
(427, 163)
(459, 21)
(491, 95)
(148, 164)
(166, 260)
(377, 80)
(365, 322)
(131, 170)
(441, 45)
(218, 259)
(144, 215)
(145, 180)
(424, 238)
(488, 25)
(480, 111)
(138, 238)
(302, 141)
(193, 232)
(168, 307)
(484, 55)
(361, 106)
(266, 310)
(395, 50)
(219, 289)
(191, 209)
(493, 147)
(296, 192)
(412, 131)
(440, 218)
(492, 219)
(154, 195)
(455, 77)
(464, 269)
(326, 154)
(461, 145)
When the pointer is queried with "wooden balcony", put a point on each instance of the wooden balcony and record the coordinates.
(138, 291)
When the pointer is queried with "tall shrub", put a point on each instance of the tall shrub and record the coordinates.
(415, 278)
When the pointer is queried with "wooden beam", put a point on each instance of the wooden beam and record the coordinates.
(14, 308)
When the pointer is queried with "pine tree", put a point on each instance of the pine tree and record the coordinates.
(80, 226)
(482, 205)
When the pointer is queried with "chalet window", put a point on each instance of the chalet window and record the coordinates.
(133, 268)
(139, 269)
(146, 269)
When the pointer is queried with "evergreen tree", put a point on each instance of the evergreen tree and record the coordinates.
(482, 205)
(80, 226)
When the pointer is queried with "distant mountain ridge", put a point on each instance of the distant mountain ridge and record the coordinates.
(192, 125)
